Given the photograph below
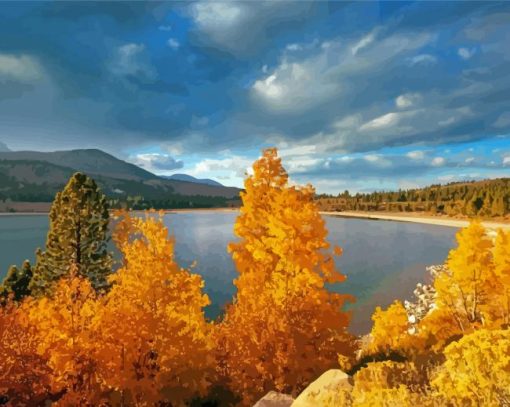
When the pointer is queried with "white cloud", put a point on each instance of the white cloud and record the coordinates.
(233, 166)
(506, 161)
(363, 43)
(173, 43)
(382, 122)
(503, 120)
(416, 155)
(438, 161)
(219, 20)
(407, 100)
(446, 122)
(469, 160)
(425, 59)
(466, 53)
(305, 81)
(294, 47)
(129, 59)
(297, 150)
(301, 163)
(377, 159)
(348, 122)
(371, 157)
(156, 162)
(294, 86)
(23, 68)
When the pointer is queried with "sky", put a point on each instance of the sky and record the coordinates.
(360, 96)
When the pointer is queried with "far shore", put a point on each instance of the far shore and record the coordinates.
(397, 217)
(416, 218)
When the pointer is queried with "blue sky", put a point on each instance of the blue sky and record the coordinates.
(360, 96)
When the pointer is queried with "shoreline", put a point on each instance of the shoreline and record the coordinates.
(412, 217)
(428, 220)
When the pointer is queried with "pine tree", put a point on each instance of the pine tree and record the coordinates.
(77, 237)
(16, 282)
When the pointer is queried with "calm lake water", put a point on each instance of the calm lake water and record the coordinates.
(383, 260)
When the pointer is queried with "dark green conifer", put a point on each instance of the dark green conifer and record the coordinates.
(16, 282)
(78, 236)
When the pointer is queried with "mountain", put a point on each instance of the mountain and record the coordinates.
(31, 176)
(189, 178)
(91, 162)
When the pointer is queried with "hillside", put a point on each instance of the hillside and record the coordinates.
(29, 176)
(486, 198)
(189, 178)
(90, 161)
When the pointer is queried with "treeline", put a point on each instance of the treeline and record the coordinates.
(489, 198)
(75, 333)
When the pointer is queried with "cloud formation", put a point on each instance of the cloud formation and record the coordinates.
(350, 86)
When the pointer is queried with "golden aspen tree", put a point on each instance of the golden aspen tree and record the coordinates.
(284, 327)
(24, 373)
(502, 271)
(390, 329)
(66, 339)
(466, 289)
(154, 336)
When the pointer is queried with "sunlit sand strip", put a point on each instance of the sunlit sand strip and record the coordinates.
(456, 223)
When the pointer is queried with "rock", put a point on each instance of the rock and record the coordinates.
(332, 388)
(274, 399)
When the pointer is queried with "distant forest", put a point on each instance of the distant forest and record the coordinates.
(488, 198)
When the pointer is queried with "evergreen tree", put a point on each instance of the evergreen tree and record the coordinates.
(17, 281)
(77, 237)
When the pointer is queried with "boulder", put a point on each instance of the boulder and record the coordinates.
(274, 399)
(331, 389)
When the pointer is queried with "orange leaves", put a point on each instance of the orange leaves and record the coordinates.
(24, 374)
(145, 341)
(163, 340)
(284, 326)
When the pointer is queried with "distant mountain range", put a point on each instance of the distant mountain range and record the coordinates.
(36, 176)
(189, 178)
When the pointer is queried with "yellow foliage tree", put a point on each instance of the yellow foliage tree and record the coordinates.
(477, 370)
(390, 329)
(284, 327)
(24, 373)
(466, 290)
(155, 339)
(66, 339)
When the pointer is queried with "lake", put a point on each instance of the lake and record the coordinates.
(383, 260)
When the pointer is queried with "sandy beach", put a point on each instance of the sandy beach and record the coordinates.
(429, 220)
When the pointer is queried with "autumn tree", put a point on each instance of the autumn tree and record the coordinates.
(66, 339)
(17, 281)
(284, 327)
(390, 329)
(466, 289)
(155, 339)
(24, 373)
(77, 236)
